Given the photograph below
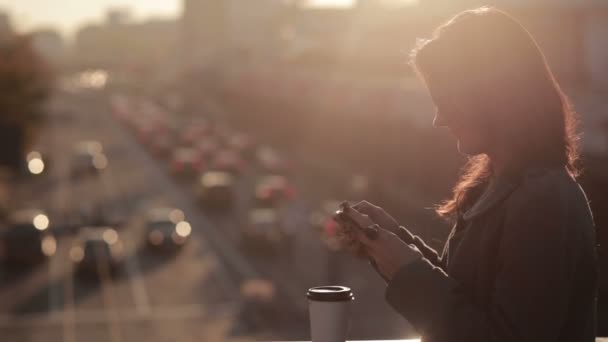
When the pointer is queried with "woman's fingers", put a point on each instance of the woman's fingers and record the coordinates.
(367, 208)
(369, 234)
(361, 219)
(377, 214)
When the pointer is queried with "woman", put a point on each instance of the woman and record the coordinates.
(520, 263)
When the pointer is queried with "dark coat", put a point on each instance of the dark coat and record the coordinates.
(519, 266)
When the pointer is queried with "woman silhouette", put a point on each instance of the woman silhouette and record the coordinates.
(520, 263)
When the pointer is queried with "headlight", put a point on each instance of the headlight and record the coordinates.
(183, 229)
(41, 222)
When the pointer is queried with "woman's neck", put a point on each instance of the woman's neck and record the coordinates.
(501, 165)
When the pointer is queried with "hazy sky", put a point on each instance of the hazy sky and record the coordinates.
(67, 15)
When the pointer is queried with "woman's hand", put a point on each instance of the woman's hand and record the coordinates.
(378, 215)
(386, 251)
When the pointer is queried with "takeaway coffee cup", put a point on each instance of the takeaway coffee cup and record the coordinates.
(329, 308)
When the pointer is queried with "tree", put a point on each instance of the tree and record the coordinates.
(25, 84)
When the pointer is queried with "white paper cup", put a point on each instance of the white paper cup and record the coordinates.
(329, 308)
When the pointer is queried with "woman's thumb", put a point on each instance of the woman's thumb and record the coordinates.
(367, 208)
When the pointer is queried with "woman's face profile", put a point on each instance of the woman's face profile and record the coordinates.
(457, 111)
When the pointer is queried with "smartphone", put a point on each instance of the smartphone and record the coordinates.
(353, 219)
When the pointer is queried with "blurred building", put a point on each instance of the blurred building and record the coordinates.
(122, 43)
(322, 34)
(213, 30)
(6, 28)
(255, 27)
(49, 45)
(203, 31)
(118, 16)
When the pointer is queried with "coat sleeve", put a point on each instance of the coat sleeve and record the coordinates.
(427, 252)
(530, 297)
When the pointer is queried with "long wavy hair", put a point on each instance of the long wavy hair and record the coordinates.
(488, 52)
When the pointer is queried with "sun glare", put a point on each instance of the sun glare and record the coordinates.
(331, 3)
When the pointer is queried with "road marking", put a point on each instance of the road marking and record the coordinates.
(138, 286)
(68, 319)
(55, 276)
(107, 292)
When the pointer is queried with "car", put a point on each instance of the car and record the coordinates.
(270, 161)
(26, 239)
(273, 190)
(120, 106)
(87, 213)
(216, 190)
(187, 162)
(146, 132)
(223, 132)
(208, 148)
(228, 161)
(166, 229)
(162, 145)
(97, 251)
(264, 231)
(244, 144)
(88, 158)
(192, 133)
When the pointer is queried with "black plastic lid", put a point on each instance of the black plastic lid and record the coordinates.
(330, 294)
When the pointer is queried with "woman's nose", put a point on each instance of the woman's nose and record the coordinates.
(439, 121)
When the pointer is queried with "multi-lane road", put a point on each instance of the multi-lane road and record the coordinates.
(209, 291)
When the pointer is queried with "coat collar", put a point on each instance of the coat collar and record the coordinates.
(504, 186)
(498, 192)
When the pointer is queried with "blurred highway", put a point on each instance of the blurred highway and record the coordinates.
(210, 290)
(192, 287)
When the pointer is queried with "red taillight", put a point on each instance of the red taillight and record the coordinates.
(290, 192)
(331, 227)
(177, 166)
(266, 193)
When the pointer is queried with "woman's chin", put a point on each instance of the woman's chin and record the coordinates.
(469, 149)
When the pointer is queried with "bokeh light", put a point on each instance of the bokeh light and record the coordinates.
(110, 236)
(76, 254)
(49, 246)
(35, 166)
(183, 229)
(41, 222)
